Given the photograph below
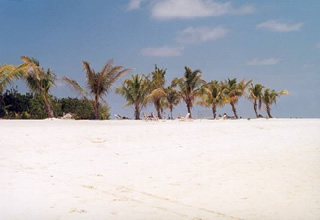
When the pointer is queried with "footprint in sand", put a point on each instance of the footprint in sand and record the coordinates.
(98, 140)
(123, 189)
(87, 187)
(78, 211)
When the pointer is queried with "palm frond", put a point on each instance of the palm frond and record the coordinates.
(76, 87)
(284, 92)
(107, 67)
(156, 95)
(30, 60)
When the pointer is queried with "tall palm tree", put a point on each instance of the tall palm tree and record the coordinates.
(99, 84)
(135, 91)
(255, 95)
(212, 95)
(270, 97)
(157, 87)
(38, 80)
(42, 87)
(189, 86)
(158, 77)
(233, 91)
(172, 98)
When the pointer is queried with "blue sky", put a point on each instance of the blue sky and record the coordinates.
(274, 42)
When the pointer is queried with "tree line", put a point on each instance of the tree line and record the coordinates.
(138, 91)
(14, 105)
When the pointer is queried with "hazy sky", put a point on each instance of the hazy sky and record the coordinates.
(274, 42)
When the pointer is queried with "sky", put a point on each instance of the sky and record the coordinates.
(275, 43)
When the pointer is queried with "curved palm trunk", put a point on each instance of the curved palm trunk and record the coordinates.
(49, 110)
(137, 112)
(234, 109)
(47, 106)
(269, 111)
(255, 108)
(214, 111)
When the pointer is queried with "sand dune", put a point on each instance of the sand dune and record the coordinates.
(237, 169)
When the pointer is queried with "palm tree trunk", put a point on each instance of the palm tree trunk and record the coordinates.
(137, 112)
(159, 114)
(189, 105)
(49, 110)
(171, 112)
(158, 107)
(96, 107)
(47, 106)
(214, 111)
(234, 109)
(269, 111)
(189, 109)
(255, 108)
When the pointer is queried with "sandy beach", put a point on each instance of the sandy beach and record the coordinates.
(204, 169)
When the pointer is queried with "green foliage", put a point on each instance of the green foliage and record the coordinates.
(13, 102)
(212, 94)
(135, 91)
(158, 78)
(255, 95)
(157, 93)
(80, 108)
(269, 97)
(232, 91)
(98, 83)
(171, 99)
(140, 89)
(38, 81)
(104, 112)
(14, 105)
(189, 86)
(37, 110)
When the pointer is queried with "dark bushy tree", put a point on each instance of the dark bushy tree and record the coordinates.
(14, 105)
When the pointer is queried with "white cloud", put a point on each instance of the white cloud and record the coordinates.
(276, 26)
(169, 9)
(201, 34)
(134, 4)
(161, 52)
(262, 62)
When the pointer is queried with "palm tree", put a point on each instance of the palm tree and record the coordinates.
(8, 74)
(38, 80)
(135, 91)
(172, 98)
(255, 95)
(42, 87)
(99, 84)
(270, 97)
(233, 91)
(189, 86)
(212, 95)
(158, 77)
(157, 87)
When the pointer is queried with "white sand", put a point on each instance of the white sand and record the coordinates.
(257, 169)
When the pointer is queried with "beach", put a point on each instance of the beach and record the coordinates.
(200, 169)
